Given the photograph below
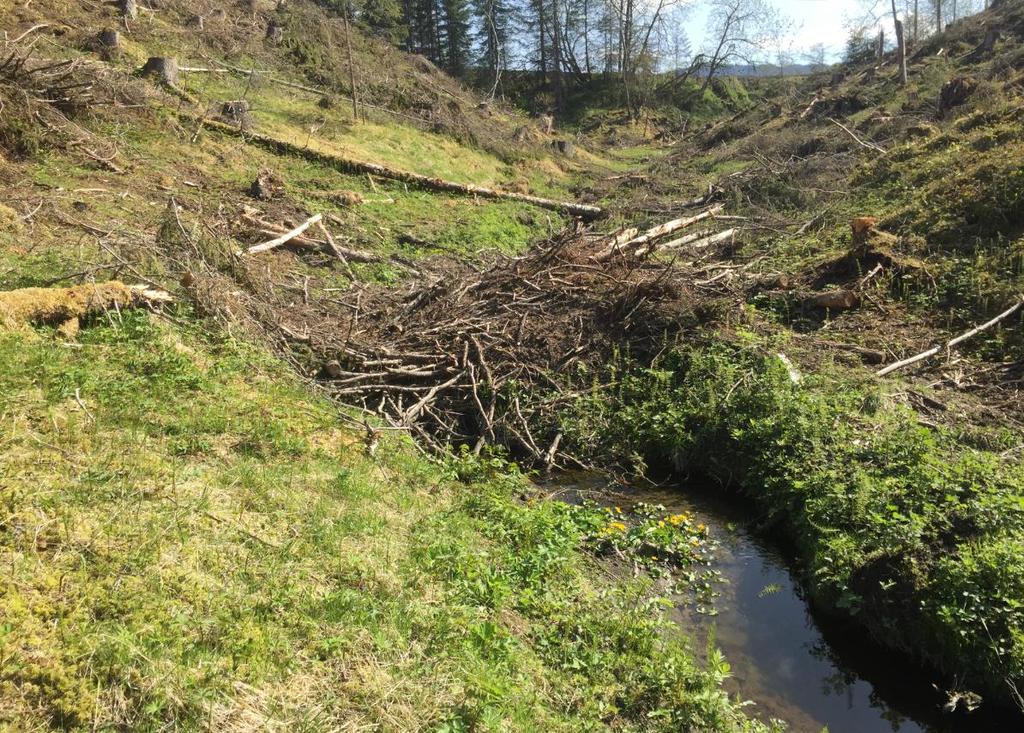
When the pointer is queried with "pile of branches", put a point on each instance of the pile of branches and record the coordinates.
(490, 356)
(36, 94)
(40, 98)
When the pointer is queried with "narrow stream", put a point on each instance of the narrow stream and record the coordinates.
(793, 666)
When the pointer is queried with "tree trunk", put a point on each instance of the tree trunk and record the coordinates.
(351, 68)
(556, 37)
(349, 165)
(586, 37)
(901, 43)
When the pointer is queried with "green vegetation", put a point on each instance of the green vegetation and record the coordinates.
(189, 538)
(905, 528)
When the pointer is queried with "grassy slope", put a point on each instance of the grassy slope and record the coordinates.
(190, 538)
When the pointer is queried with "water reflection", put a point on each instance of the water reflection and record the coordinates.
(794, 667)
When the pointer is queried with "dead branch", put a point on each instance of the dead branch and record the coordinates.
(284, 238)
(950, 344)
(851, 133)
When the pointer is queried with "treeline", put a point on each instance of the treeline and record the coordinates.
(563, 40)
(567, 42)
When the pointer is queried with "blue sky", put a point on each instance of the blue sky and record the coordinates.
(817, 21)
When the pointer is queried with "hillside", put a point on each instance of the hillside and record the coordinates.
(194, 536)
(268, 482)
(873, 221)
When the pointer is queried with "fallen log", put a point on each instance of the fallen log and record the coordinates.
(683, 241)
(723, 236)
(950, 344)
(284, 238)
(350, 165)
(662, 230)
(65, 307)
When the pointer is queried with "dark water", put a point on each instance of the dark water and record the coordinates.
(792, 666)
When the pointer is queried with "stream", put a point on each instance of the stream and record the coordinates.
(794, 666)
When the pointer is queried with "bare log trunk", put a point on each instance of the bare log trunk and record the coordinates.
(348, 165)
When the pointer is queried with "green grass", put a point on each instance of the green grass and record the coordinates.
(189, 538)
(289, 115)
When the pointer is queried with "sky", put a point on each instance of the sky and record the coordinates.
(817, 21)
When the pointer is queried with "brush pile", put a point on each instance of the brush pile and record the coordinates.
(488, 357)
(41, 97)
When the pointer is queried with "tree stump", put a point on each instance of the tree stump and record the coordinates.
(861, 227)
(547, 122)
(275, 32)
(268, 185)
(109, 39)
(236, 112)
(564, 147)
(128, 9)
(195, 22)
(991, 38)
(219, 15)
(955, 92)
(165, 67)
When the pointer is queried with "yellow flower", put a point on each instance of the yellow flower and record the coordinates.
(618, 510)
(702, 527)
(617, 527)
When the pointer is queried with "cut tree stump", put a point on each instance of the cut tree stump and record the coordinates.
(564, 147)
(956, 92)
(267, 185)
(110, 39)
(236, 111)
(164, 67)
(275, 32)
(129, 10)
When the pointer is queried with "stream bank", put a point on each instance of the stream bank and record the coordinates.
(791, 662)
